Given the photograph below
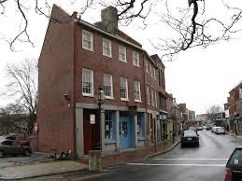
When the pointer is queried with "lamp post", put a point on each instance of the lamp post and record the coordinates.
(100, 99)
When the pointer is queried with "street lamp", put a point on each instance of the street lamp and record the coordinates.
(100, 97)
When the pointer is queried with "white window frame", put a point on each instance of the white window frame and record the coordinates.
(126, 98)
(156, 101)
(148, 95)
(122, 56)
(147, 66)
(107, 46)
(154, 71)
(110, 83)
(137, 91)
(85, 70)
(136, 58)
(88, 39)
(152, 97)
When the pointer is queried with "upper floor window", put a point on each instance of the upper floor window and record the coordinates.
(147, 66)
(148, 95)
(152, 97)
(136, 58)
(87, 82)
(87, 40)
(123, 88)
(107, 51)
(137, 93)
(108, 85)
(240, 92)
(122, 53)
(156, 100)
(154, 73)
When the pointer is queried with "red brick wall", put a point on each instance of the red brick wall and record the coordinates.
(55, 118)
(100, 64)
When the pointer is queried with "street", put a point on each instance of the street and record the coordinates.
(204, 163)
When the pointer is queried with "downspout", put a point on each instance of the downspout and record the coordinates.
(74, 95)
(145, 97)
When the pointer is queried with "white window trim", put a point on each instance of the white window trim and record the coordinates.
(92, 88)
(110, 47)
(111, 81)
(138, 100)
(91, 35)
(125, 53)
(127, 94)
(134, 60)
(148, 95)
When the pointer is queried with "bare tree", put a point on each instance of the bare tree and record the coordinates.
(213, 110)
(191, 23)
(22, 85)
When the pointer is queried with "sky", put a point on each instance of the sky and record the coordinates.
(198, 77)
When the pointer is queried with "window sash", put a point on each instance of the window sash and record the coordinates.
(122, 53)
(108, 85)
(107, 47)
(108, 125)
(135, 58)
(87, 82)
(123, 88)
(137, 95)
(87, 40)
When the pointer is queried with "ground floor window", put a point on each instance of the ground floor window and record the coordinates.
(140, 125)
(109, 125)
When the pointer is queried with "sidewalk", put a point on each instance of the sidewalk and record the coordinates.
(40, 169)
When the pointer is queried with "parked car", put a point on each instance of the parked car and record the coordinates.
(194, 129)
(233, 169)
(189, 138)
(200, 128)
(220, 130)
(213, 129)
(14, 147)
(22, 140)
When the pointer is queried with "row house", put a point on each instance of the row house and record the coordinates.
(234, 107)
(78, 58)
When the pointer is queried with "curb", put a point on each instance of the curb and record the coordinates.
(162, 152)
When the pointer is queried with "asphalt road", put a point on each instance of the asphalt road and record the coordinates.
(205, 163)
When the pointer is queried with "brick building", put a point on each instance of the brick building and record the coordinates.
(78, 57)
(234, 105)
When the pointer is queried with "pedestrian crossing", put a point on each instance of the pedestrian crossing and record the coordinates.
(189, 162)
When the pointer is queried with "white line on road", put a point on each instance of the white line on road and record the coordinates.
(169, 164)
(191, 159)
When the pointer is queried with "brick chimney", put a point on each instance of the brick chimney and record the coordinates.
(109, 17)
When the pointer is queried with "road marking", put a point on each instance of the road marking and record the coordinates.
(190, 159)
(171, 164)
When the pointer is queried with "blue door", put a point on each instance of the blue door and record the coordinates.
(125, 133)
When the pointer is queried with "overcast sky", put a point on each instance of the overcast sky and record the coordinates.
(199, 77)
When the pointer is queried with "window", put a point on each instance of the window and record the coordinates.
(156, 101)
(154, 72)
(107, 48)
(122, 53)
(147, 66)
(108, 125)
(135, 58)
(87, 40)
(148, 95)
(152, 97)
(108, 85)
(137, 94)
(123, 88)
(87, 82)
(140, 125)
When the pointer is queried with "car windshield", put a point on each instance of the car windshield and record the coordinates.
(236, 158)
(189, 133)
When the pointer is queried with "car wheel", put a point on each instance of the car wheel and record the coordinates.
(1, 154)
(27, 152)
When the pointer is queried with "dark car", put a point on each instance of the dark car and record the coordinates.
(194, 129)
(189, 138)
(14, 147)
(233, 169)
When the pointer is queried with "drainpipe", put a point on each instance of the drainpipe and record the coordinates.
(145, 97)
